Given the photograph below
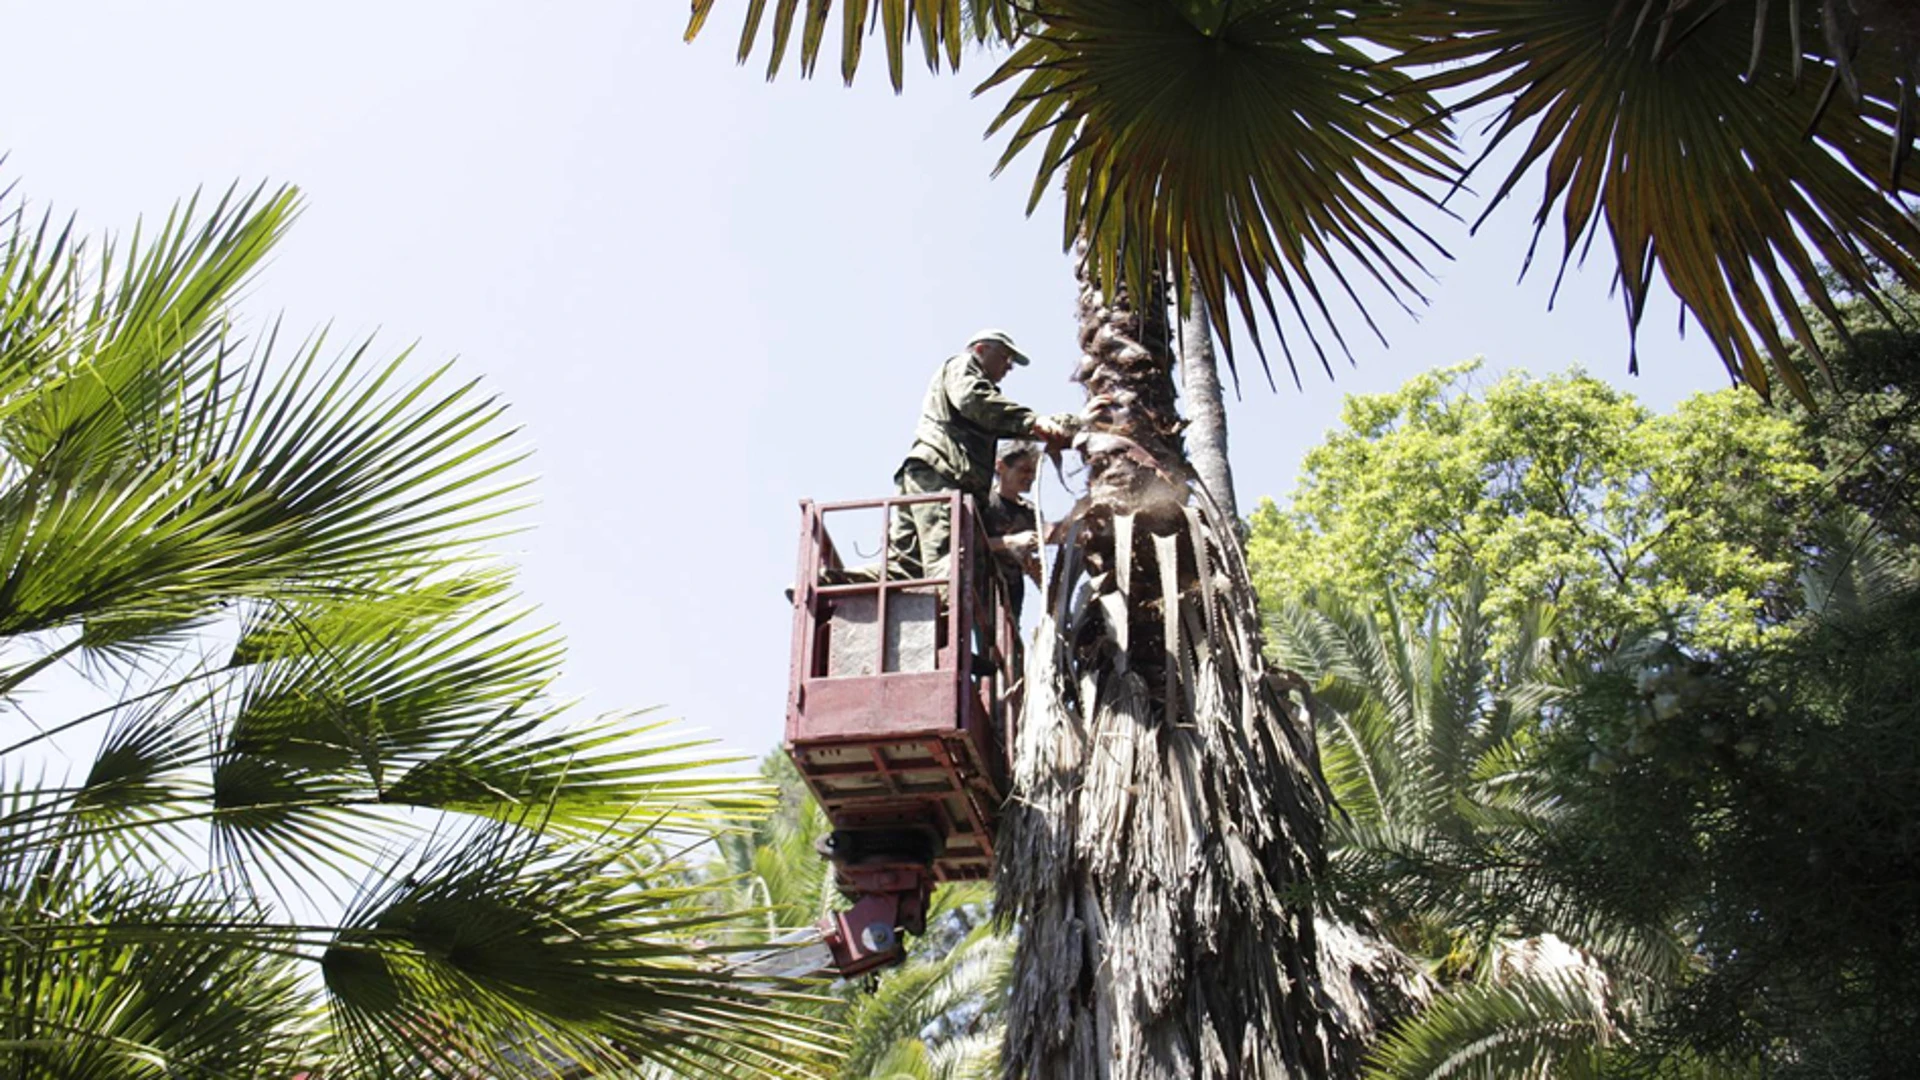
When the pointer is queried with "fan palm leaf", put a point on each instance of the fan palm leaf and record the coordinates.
(273, 566)
(1232, 147)
(89, 1004)
(945, 29)
(1273, 158)
(506, 931)
(1691, 148)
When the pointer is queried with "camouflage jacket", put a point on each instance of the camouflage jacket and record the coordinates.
(964, 415)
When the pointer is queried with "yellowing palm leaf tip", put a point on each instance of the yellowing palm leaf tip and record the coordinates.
(1269, 155)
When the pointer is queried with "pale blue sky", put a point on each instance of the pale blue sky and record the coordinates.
(705, 296)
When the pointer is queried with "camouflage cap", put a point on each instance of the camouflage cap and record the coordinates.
(999, 337)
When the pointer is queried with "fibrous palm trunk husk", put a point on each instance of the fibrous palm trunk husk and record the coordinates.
(1167, 815)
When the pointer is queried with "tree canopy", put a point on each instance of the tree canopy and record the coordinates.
(1678, 788)
(1558, 489)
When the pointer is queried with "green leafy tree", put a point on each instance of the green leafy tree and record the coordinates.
(1763, 800)
(1560, 490)
(326, 818)
(1760, 797)
(1717, 823)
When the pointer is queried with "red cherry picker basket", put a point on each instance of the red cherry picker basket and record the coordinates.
(899, 716)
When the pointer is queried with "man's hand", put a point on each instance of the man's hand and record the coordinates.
(1023, 546)
(1055, 431)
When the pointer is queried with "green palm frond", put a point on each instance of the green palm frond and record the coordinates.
(429, 696)
(1695, 170)
(113, 983)
(586, 777)
(271, 564)
(1530, 1026)
(787, 864)
(111, 343)
(1459, 685)
(1232, 147)
(503, 931)
(944, 27)
(1271, 157)
(974, 1056)
(1369, 683)
(230, 481)
(39, 276)
(1428, 743)
(1854, 567)
(1870, 47)
(360, 471)
(889, 1025)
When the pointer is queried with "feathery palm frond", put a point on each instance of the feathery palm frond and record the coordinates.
(1853, 567)
(893, 1021)
(1451, 815)
(1430, 759)
(1530, 1026)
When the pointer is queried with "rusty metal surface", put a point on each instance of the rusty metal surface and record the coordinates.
(898, 703)
(896, 747)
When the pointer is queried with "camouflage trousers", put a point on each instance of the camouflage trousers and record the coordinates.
(920, 536)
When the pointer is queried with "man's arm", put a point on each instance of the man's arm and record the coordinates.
(974, 396)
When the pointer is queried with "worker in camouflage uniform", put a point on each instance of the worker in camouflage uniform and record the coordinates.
(963, 416)
(1010, 522)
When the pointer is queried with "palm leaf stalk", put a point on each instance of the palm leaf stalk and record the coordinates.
(274, 566)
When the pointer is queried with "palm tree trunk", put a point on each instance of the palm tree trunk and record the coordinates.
(1167, 811)
(1206, 407)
